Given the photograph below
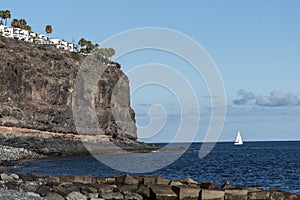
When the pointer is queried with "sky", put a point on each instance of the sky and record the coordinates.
(255, 45)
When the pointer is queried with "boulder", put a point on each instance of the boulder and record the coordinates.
(133, 196)
(228, 185)
(15, 176)
(144, 191)
(149, 180)
(54, 196)
(162, 192)
(208, 185)
(162, 181)
(87, 189)
(236, 194)
(32, 194)
(66, 179)
(76, 196)
(43, 190)
(125, 189)
(12, 185)
(26, 177)
(127, 180)
(186, 193)
(175, 183)
(81, 179)
(6, 177)
(110, 180)
(276, 194)
(117, 195)
(65, 189)
(212, 194)
(105, 188)
(29, 186)
(188, 181)
(258, 194)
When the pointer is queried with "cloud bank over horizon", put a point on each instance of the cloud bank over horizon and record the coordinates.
(274, 99)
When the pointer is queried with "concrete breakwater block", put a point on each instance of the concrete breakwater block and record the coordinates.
(162, 192)
(185, 192)
(236, 194)
(212, 194)
(131, 188)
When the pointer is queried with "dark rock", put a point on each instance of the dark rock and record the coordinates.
(162, 192)
(144, 191)
(43, 190)
(208, 185)
(186, 193)
(126, 180)
(12, 185)
(26, 177)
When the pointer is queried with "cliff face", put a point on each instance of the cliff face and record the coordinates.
(36, 86)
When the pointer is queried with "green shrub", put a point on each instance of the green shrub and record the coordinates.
(44, 57)
(75, 55)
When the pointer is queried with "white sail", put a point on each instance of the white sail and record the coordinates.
(238, 140)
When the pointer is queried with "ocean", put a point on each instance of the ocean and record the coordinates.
(263, 164)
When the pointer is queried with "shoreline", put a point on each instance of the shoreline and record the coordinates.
(131, 187)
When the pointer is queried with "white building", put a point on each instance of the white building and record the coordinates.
(62, 44)
(29, 36)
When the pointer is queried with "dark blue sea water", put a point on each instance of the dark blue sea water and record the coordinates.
(264, 164)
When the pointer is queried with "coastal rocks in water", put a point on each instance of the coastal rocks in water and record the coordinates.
(11, 154)
(30, 142)
(50, 188)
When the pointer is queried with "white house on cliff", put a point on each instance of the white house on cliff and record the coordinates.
(29, 36)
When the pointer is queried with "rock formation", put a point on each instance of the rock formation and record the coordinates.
(37, 84)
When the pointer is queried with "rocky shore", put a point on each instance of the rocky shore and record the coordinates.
(10, 155)
(33, 186)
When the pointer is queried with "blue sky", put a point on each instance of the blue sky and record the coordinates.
(255, 45)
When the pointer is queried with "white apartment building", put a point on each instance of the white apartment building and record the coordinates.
(29, 36)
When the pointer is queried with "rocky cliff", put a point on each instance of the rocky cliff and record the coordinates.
(36, 87)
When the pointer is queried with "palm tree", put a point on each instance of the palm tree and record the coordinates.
(28, 28)
(82, 42)
(6, 16)
(15, 23)
(22, 23)
(48, 30)
(2, 14)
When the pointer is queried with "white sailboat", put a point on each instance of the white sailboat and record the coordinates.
(238, 140)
